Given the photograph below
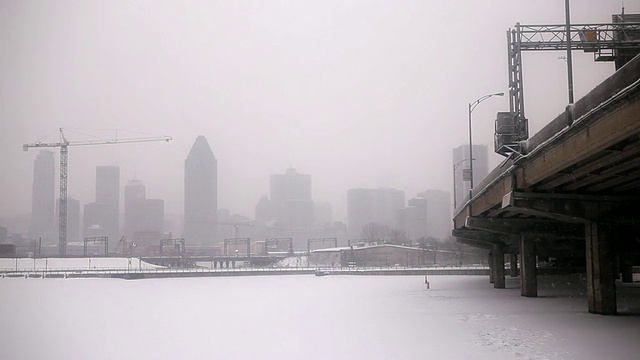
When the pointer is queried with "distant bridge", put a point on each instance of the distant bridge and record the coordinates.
(217, 261)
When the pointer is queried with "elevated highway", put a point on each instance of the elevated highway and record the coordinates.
(572, 191)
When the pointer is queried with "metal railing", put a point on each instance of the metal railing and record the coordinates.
(111, 271)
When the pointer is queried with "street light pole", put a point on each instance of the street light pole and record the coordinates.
(472, 107)
(455, 167)
(569, 59)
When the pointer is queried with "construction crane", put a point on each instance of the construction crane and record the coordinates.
(64, 144)
(236, 225)
(126, 250)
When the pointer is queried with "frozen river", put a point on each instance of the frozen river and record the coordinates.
(306, 317)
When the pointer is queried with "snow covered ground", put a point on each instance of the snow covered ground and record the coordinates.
(308, 317)
(293, 261)
(29, 264)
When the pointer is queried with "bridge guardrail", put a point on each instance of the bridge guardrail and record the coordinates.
(114, 271)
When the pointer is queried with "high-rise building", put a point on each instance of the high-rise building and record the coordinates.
(413, 218)
(200, 193)
(134, 196)
(378, 206)
(43, 198)
(94, 217)
(290, 195)
(263, 211)
(439, 216)
(108, 193)
(152, 216)
(102, 218)
(141, 215)
(461, 162)
(323, 214)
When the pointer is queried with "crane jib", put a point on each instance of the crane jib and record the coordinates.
(63, 145)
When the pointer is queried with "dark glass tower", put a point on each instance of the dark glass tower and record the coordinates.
(200, 193)
(43, 197)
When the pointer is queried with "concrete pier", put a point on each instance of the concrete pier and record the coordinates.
(601, 286)
(498, 266)
(528, 275)
(492, 267)
(513, 265)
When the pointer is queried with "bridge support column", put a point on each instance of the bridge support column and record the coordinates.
(626, 269)
(601, 286)
(528, 275)
(492, 267)
(513, 265)
(498, 266)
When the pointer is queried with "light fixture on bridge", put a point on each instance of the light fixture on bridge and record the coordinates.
(472, 106)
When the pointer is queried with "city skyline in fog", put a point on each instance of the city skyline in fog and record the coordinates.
(357, 96)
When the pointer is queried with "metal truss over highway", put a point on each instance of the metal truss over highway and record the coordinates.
(573, 189)
(617, 41)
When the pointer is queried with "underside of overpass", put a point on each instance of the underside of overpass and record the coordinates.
(572, 191)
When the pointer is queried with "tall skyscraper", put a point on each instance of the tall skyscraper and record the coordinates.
(413, 218)
(94, 217)
(290, 195)
(378, 206)
(43, 198)
(200, 193)
(108, 193)
(461, 161)
(153, 216)
(323, 214)
(134, 196)
(102, 217)
(439, 216)
(263, 211)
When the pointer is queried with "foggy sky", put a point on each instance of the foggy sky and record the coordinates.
(355, 93)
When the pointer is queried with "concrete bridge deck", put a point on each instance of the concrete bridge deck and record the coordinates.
(573, 192)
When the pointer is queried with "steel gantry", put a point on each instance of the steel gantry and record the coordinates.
(64, 144)
(235, 241)
(277, 241)
(617, 41)
(104, 240)
(178, 245)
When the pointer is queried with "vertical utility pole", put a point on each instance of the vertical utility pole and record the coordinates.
(470, 152)
(569, 59)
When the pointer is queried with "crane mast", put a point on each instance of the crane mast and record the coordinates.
(62, 210)
(64, 144)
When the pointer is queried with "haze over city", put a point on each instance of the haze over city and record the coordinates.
(353, 94)
(320, 197)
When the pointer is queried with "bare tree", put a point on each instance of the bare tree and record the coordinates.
(433, 244)
(373, 233)
(378, 233)
(397, 237)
